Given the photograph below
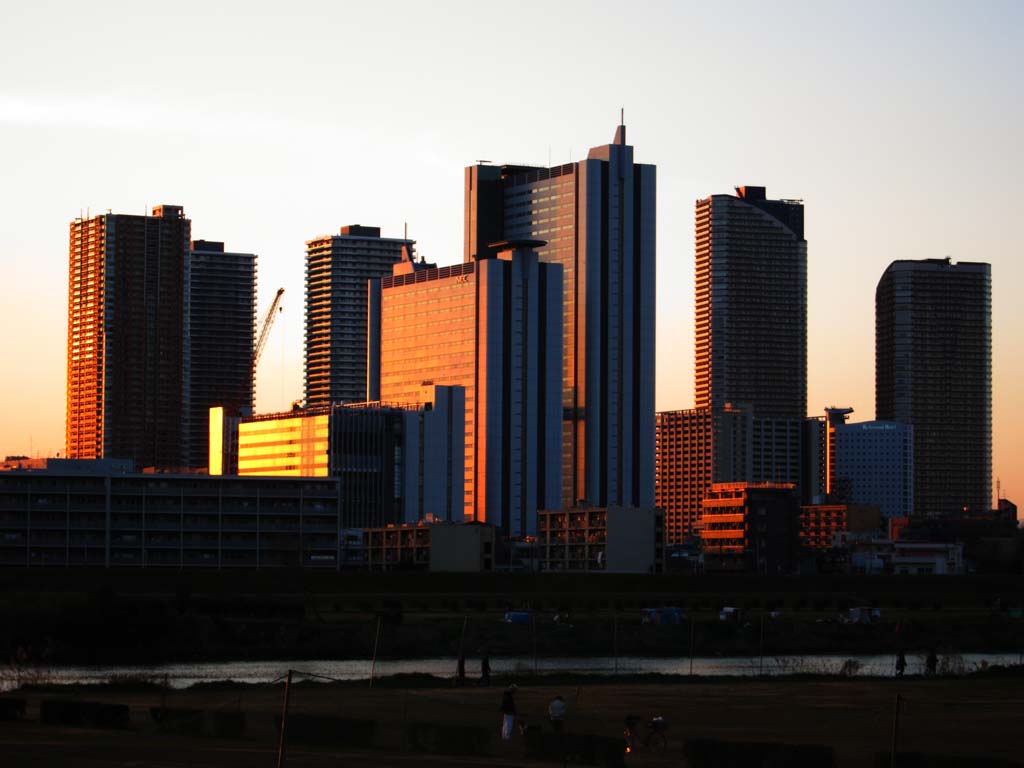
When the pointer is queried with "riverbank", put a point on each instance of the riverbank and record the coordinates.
(440, 672)
(153, 617)
(965, 720)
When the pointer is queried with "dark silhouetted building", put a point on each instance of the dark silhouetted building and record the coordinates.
(751, 326)
(222, 330)
(100, 514)
(337, 268)
(599, 539)
(933, 369)
(598, 218)
(751, 304)
(750, 527)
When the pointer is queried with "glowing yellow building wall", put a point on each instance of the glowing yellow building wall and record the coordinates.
(215, 461)
(294, 446)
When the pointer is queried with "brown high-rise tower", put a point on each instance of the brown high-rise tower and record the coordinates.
(751, 304)
(127, 356)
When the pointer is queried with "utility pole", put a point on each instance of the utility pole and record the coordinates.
(284, 720)
(895, 730)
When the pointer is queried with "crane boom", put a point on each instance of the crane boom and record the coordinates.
(265, 325)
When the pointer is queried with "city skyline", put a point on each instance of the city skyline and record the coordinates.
(896, 156)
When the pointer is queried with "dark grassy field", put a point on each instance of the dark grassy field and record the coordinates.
(964, 720)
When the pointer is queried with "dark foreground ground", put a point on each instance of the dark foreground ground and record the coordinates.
(960, 721)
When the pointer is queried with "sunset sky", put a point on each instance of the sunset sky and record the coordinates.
(899, 125)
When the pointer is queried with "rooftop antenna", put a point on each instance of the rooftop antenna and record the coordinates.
(405, 236)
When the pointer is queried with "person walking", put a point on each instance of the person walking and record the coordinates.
(931, 664)
(556, 713)
(508, 712)
(460, 671)
(485, 670)
(901, 664)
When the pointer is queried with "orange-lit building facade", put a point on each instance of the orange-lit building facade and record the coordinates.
(749, 526)
(693, 449)
(494, 327)
(127, 354)
(427, 333)
(682, 468)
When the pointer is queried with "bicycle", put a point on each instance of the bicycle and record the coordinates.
(654, 740)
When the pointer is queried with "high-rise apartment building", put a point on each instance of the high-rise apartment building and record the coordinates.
(337, 268)
(693, 449)
(751, 323)
(598, 218)
(221, 331)
(751, 357)
(751, 304)
(128, 353)
(933, 369)
(494, 327)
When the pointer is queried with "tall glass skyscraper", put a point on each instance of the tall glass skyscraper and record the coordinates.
(933, 369)
(597, 217)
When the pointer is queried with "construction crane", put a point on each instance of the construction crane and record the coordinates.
(265, 325)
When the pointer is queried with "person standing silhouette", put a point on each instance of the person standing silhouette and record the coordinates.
(508, 712)
(485, 670)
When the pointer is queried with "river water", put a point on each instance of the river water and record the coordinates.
(184, 675)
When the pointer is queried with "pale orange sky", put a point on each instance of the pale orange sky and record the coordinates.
(898, 125)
